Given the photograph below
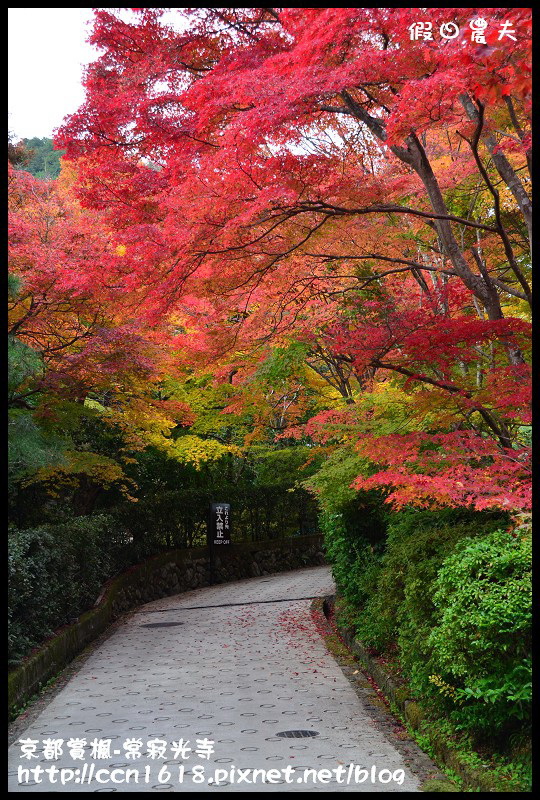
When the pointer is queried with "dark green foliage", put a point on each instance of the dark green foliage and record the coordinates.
(42, 441)
(353, 557)
(282, 364)
(174, 498)
(44, 162)
(55, 573)
(354, 525)
(178, 518)
(14, 284)
(401, 607)
(452, 592)
(284, 467)
(23, 363)
(30, 446)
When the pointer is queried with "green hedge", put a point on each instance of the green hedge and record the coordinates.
(400, 606)
(449, 594)
(481, 641)
(54, 573)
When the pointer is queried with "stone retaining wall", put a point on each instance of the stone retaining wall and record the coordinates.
(169, 573)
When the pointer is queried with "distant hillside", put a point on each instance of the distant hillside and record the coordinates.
(45, 161)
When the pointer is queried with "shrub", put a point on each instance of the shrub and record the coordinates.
(481, 642)
(400, 606)
(353, 523)
(55, 572)
(355, 562)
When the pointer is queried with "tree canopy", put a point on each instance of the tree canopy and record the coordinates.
(316, 216)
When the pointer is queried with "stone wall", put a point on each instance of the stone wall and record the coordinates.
(167, 574)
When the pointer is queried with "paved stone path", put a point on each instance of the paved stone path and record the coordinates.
(203, 666)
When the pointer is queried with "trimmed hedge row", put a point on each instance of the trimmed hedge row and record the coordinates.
(55, 572)
(448, 592)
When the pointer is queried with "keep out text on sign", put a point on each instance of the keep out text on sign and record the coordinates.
(220, 523)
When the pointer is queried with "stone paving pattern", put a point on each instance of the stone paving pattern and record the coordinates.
(235, 674)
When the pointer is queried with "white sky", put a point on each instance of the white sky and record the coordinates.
(46, 50)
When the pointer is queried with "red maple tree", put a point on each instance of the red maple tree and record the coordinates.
(322, 174)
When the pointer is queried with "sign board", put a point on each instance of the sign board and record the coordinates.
(220, 524)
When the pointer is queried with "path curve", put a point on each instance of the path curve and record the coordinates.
(235, 664)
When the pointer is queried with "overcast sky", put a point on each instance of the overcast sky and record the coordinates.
(47, 50)
(46, 54)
